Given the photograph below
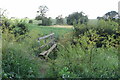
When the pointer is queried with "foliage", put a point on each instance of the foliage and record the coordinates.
(42, 10)
(2, 14)
(76, 18)
(75, 62)
(45, 21)
(16, 27)
(18, 59)
(59, 20)
(30, 21)
(104, 31)
(110, 15)
(44, 30)
(21, 60)
(91, 50)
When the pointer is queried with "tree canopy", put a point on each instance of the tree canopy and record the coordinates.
(77, 18)
(41, 16)
(59, 20)
(42, 10)
(111, 15)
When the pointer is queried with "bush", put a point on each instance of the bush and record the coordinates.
(16, 27)
(104, 33)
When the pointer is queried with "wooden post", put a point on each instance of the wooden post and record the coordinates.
(39, 42)
(45, 41)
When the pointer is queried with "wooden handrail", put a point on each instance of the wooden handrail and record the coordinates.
(52, 41)
(44, 37)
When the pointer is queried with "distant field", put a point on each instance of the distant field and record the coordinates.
(62, 26)
(59, 30)
(44, 30)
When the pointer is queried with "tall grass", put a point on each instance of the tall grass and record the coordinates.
(92, 53)
(76, 54)
(77, 62)
(18, 58)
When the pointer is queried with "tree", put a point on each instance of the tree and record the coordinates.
(42, 10)
(111, 15)
(2, 12)
(59, 20)
(99, 18)
(2, 15)
(45, 21)
(77, 18)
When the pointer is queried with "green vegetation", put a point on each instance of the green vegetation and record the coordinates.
(19, 52)
(59, 20)
(89, 50)
(45, 21)
(44, 30)
(76, 18)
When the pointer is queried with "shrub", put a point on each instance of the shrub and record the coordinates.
(16, 27)
(105, 32)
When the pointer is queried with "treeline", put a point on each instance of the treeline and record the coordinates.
(59, 20)
(70, 20)
(73, 18)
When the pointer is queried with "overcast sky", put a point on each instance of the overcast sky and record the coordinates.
(28, 8)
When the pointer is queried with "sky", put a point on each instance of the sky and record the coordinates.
(28, 8)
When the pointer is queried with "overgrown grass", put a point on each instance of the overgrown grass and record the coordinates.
(93, 53)
(75, 56)
(20, 52)
(98, 63)
(19, 58)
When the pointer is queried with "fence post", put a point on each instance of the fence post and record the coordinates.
(38, 42)
(45, 41)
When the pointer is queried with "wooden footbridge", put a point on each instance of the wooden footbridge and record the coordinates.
(49, 40)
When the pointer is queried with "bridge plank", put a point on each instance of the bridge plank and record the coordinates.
(51, 49)
(43, 53)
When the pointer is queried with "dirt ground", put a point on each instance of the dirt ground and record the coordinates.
(62, 26)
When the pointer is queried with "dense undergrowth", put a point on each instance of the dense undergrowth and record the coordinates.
(89, 51)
